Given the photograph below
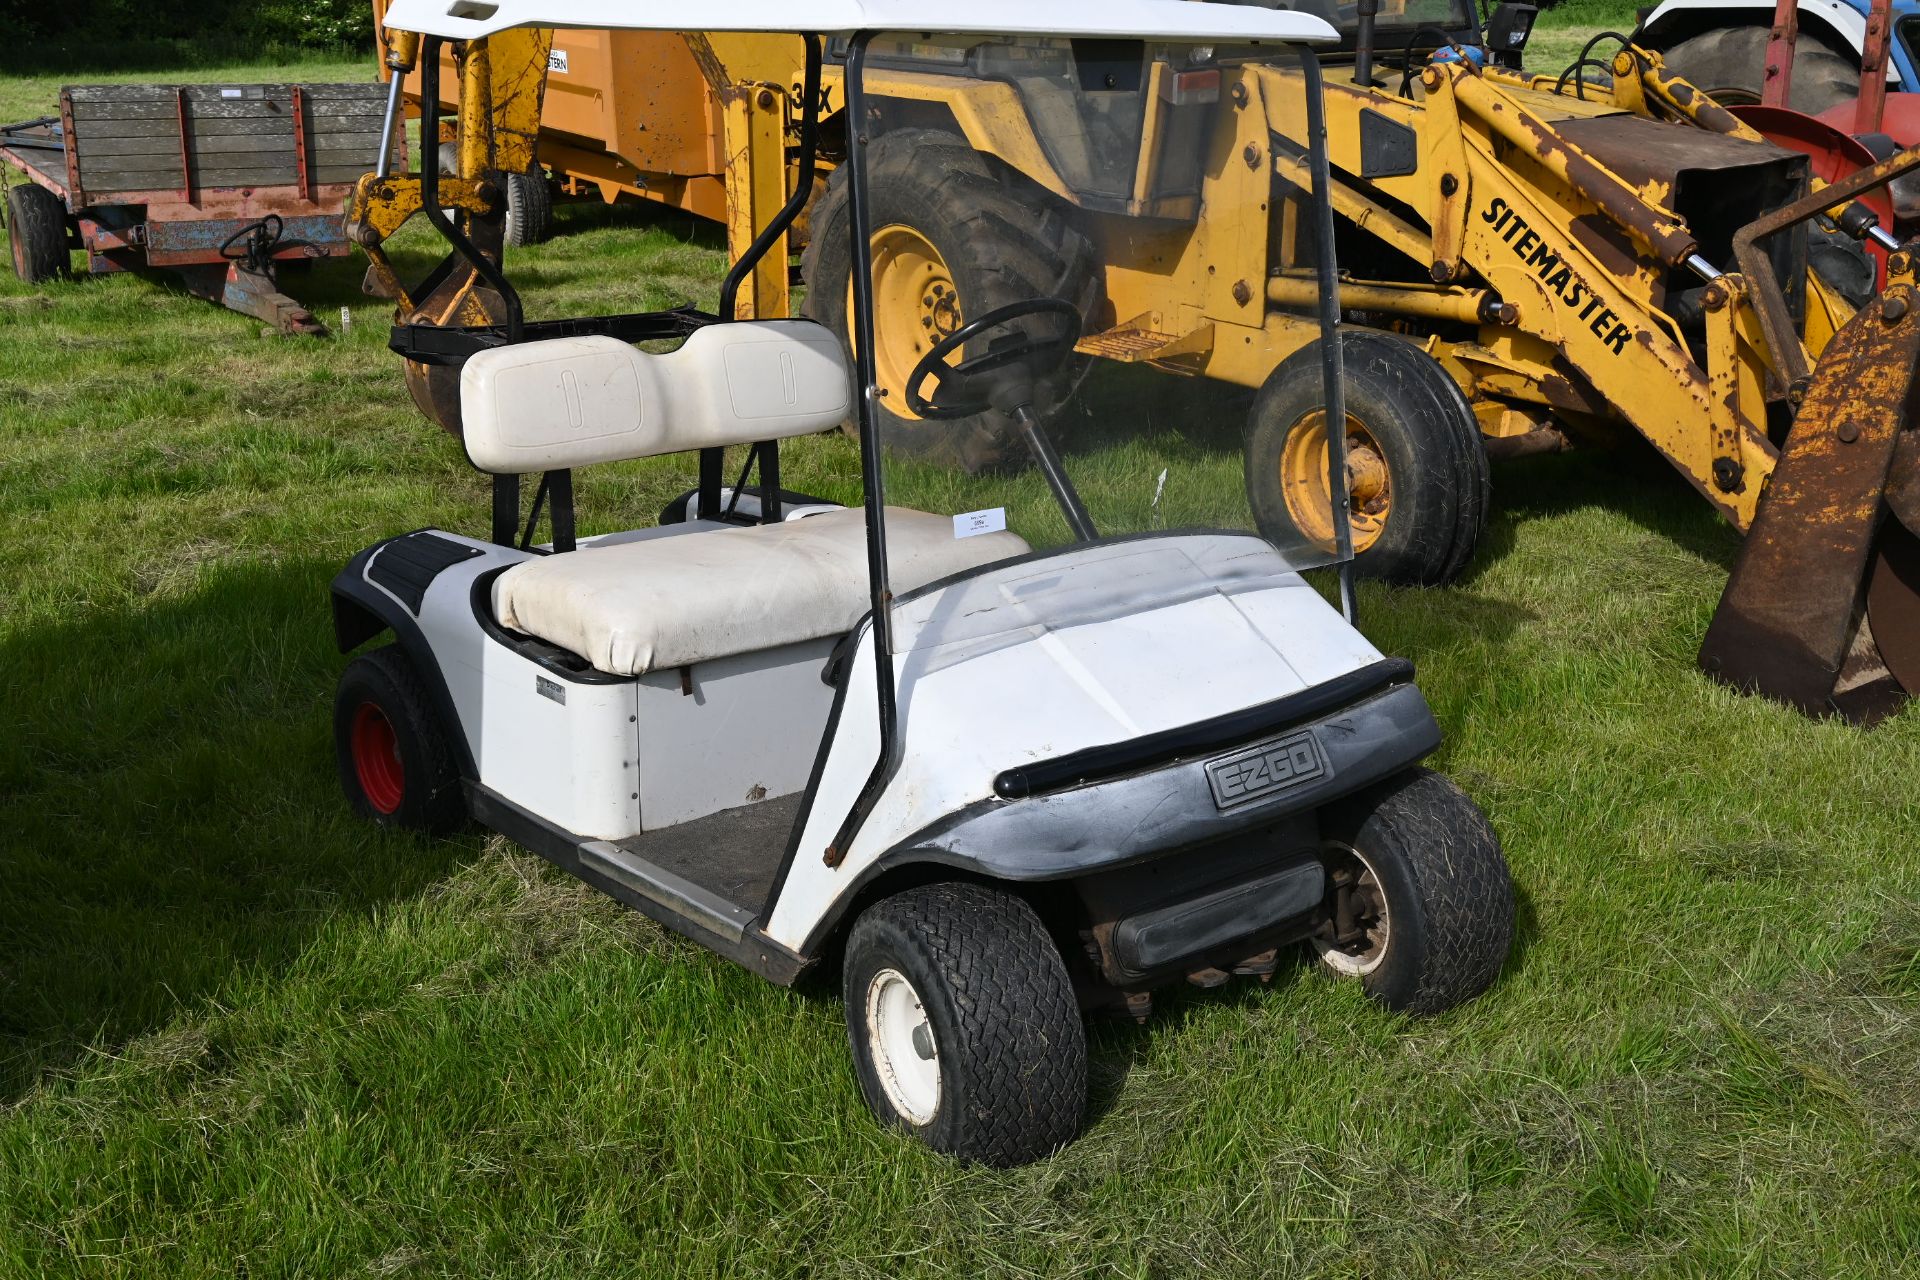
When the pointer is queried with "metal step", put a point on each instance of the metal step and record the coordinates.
(662, 887)
(1126, 345)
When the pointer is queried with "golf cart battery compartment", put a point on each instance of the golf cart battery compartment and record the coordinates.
(1157, 940)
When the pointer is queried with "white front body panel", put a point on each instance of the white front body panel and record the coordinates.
(977, 697)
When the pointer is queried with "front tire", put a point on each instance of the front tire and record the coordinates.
(1422, 902)
(394, 756)
(37, 234)
(956, 235)
(529, 209)
(1730, 65)
(963, 1024)
(1417, 478)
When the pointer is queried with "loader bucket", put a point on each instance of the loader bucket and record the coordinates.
(1823, 608)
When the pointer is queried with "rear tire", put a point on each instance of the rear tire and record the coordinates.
(1431, 892)
(1730, 63)
(37, 234)
(394, 755)
(963, 1024)
(529, 209)
(972, 226)
(1417, 471)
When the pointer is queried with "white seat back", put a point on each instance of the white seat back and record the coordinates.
(569, 402)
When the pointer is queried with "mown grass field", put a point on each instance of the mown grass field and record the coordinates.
(244, 1035)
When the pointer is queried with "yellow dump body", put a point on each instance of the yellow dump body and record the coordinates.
(638, 113)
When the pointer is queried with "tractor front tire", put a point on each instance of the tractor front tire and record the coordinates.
(1429, 901)
(955, 235)
(529, 209)
(1730, 64)
(37, 234)
(963, 1024)
(1417, 482)
(394, 754)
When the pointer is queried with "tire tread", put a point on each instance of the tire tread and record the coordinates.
(1461, 884)
(37, 227)
(1021, 1067)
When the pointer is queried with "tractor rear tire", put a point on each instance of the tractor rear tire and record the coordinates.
(979, 237)
(37, 234)
(1730, 64)
(1432, 899)
(1417, 471)
(529, 209)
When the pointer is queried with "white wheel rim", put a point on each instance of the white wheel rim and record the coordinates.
(897, 1031)
(1358, 964)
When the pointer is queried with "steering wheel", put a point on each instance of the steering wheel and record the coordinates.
(964, 389)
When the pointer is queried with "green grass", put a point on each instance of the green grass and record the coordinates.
(242, 1034)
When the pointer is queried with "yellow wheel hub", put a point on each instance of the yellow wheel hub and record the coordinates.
(915, 305)
(1303, 480)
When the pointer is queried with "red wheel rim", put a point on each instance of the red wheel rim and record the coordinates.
(376, 758)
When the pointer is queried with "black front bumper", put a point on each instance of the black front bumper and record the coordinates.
(1100, 825)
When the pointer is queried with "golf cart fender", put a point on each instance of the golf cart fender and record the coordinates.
(1078, 830)
(362, 611)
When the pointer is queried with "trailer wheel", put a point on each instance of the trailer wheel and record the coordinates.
(529, 209)
(1420, 897)
(1730, 63)
(955, 235)
(1416, 470)
(37, 234)
(394, 756)
(963, 1024)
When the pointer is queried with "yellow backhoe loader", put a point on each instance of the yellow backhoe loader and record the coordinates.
(1524, 260)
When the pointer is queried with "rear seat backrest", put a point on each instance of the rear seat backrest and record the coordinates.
(571, 402)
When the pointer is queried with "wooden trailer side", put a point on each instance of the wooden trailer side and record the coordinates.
(128, 143)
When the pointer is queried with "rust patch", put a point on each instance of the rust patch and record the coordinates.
(1607, 242)
(1566, 389)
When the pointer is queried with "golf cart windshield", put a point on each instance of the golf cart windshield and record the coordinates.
(1065, 372)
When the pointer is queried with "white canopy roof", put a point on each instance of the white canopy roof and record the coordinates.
(1120, 19)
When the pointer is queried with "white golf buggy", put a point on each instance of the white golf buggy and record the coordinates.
(997, 786)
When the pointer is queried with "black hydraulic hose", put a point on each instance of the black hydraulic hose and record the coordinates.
(430, 190)
(1586, 59)
(1333, 384)
(802, 187)
(1406, 54)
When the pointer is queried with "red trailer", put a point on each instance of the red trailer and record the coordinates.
(217, 183)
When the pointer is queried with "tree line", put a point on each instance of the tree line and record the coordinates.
(53, 33)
